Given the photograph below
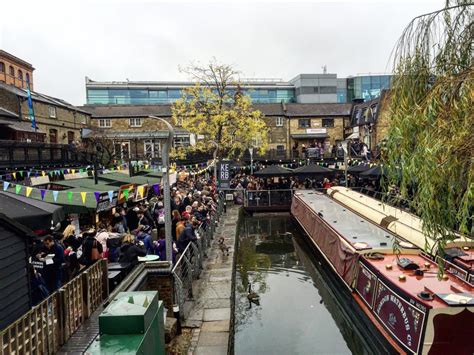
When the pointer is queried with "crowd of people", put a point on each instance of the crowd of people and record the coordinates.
(134, 231)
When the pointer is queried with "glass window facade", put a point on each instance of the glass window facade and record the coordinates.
(166, 96)
(366, 87)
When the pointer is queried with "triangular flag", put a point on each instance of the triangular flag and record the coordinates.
(55, 195)
(14, 175)
(73, 171)
(43, 173)
(69, 196)
(17, 189)
(111, 195)
(28, 174)
(146, 166)
(156, 187)
(21, 173)
(83, 196)
(140, 190)
(28, 191)
(43, 192)
(5, 185)
(125, 193)
(97, 195)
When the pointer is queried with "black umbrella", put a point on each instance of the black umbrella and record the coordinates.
(312, 169)
(359, 168)
(376, 171)
(273, 170)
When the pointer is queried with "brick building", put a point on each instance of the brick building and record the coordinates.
(15, 71)
(136, 136)
(57, 121)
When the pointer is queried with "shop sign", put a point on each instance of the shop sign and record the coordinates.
(104, 203)
(82, 175)
(126, 192)
(142, 192)
(401, 318)
(39, 180)
(316, 130)
(366, 281)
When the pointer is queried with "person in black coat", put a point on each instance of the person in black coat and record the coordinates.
(129, 251)
(52, 271)
(187, 236)
(89, 243)
(132, 218)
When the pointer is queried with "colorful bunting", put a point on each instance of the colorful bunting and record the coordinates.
(5, 185)
(55, 195)
(69, 196)
(111, 195)
(97, 196)
(14, 176)
(28, 191)
(125, 193)
(17, 189)
(156, 187)
(83, 196)
(43, 193)
(28, 173)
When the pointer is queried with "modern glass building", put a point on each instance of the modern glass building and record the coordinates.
(367, 87)
(304, 88)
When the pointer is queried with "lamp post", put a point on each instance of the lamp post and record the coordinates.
(215, 161)
(345, 146)
(166, 187)
(251, 160)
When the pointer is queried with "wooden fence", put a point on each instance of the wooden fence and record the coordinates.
(48, 325)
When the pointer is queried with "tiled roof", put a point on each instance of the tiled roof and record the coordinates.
(6, 113)
(22, 126)
(36, 96)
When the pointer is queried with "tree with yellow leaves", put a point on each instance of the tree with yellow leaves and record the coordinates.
(215, 109)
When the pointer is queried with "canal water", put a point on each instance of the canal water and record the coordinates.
(297, 313)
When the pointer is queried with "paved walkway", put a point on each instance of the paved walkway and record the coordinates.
(210, 314)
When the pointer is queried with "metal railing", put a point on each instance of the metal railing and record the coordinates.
(189, 265)
(48, 325)
(268, 198)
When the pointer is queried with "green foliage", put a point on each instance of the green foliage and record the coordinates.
(429, 151)
(216, 110)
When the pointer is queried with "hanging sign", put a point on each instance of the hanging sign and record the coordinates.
(39, 180)
(223, 173)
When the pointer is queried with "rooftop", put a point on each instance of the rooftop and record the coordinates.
(15, 59)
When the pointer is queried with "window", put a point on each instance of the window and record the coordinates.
(12, 71)
(328, 122)
(52, 111)
(135, 122)
(20, 75)
(152, 149)
(28, 77)
(70, 137)
(105, 123)
(279, 121)
(181, 141)
(2, 67)
(304, 123)
(53, 136)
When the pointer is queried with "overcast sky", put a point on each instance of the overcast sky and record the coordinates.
(147, 40)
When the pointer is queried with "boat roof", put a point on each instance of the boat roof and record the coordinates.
(413, 285)
(361, 234)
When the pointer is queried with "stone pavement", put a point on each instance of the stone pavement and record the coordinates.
(211, 312)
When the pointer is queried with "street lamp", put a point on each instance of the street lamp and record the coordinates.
(166, 187)
(345, 146)
(215, 161)
(251, 160)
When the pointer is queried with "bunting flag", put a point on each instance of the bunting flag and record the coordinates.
(125, 193)
(5, 185)
(43, 173)
(28, 173)
(140, 190)
(111, 195)
(146, 166)
(43, 192)
(17, 189)
(83, 196)
(14, 176)
(73, 171)
(21, 173)
(97, 196)
(156, 188)
(28, 191)
(69, 196)
(55, 195)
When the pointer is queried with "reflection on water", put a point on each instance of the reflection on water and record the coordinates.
(296, 314)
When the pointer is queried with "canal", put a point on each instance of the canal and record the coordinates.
(296, 312)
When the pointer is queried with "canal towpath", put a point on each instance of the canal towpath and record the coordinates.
(210, 315)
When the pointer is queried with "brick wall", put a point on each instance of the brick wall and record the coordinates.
(164, 285)
(335, 133)
(13, 79)
(8, 101)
